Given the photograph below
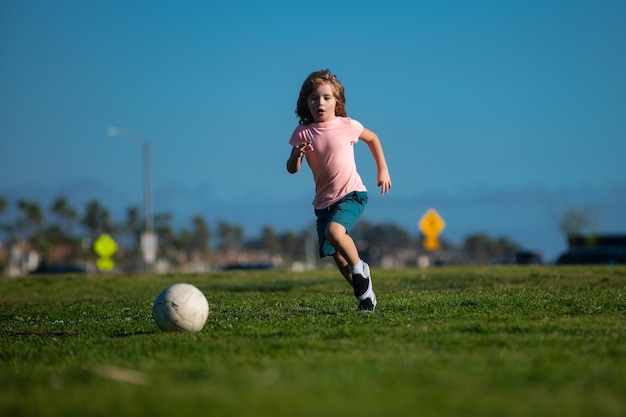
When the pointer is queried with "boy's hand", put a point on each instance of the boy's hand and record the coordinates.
(305, 147)
(384, 182)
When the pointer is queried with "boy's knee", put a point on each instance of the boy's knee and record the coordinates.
(334, 232)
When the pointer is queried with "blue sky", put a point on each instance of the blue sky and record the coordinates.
(500, 115)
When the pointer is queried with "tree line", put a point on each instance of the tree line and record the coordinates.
(64, 234)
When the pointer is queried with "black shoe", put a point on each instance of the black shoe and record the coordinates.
(368, 304)
(363, 289)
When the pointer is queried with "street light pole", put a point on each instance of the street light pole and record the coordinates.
(114, 131)
(147, 186)
(149, 241)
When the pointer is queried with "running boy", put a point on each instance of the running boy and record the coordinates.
(326, 137)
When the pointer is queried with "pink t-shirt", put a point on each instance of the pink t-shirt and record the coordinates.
(332, 160)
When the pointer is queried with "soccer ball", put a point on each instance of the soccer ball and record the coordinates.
(180, 308)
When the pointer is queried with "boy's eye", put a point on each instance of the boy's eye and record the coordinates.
(318, 98)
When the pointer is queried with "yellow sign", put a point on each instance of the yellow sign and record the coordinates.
(105, 247)
(431, 224)
(105, 263)
(431, 243)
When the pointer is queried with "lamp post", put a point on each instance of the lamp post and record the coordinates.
(148, 238)
(114, 131)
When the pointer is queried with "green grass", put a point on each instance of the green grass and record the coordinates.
(500, 341)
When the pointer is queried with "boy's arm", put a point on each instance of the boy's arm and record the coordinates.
(383, 178)
(295, 159)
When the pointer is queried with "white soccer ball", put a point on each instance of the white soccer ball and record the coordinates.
(180, 308)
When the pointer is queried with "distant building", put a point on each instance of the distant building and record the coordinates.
(526, 257)
(595, 249)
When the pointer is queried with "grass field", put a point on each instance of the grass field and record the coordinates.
(498, 341)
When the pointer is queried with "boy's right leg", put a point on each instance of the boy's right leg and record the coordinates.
(343, 267)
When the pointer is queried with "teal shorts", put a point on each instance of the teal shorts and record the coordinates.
(346, 212)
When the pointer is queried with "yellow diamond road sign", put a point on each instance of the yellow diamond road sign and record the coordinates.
(105, 263)
(431, 243)
(105, 246)
(431, 224)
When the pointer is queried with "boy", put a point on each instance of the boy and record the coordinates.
(326, 137)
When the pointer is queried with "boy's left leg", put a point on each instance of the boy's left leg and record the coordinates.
(338, 237)
(354, 270)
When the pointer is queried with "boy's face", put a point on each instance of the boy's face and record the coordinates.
(322, 103)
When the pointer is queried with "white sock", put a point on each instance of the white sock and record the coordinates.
(358, 268)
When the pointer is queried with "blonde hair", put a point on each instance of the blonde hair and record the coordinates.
(314, 80)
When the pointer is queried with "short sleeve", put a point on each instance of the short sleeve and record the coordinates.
(357, 129)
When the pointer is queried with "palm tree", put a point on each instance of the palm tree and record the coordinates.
(97, 219)
(132, 228)
(163, 229)
(201, 234)
(230, 235)
(133, 224)
(3, 207)
(230, 240)
(195, 241)
(31, 222)
(269, 240)
(66, 216)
